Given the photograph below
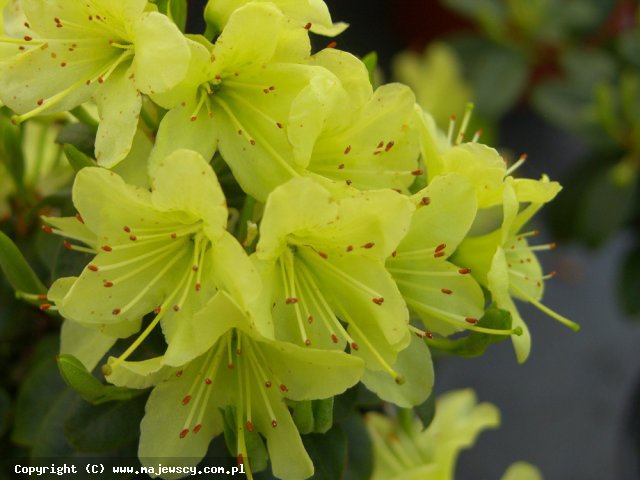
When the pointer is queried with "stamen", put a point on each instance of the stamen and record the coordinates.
(465, 123)
(452, 127)
(563, 320)
(515, 166)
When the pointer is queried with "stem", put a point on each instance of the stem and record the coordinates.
(84, 117)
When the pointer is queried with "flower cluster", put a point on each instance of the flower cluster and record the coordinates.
(362, 242)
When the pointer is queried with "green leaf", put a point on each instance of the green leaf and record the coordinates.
(370, 61)
(90, 388)
(629, 46)
(328, 452)
(11, 148)
(100, 428)
(39, 391)
(177, 12)
(359, 449)
(427, 410)
(79, 135)
(5, 410)
(20, 275)
(629, 282)
(76, 158)
(608, 203)
(498, 74)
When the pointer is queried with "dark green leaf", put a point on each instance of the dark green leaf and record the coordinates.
(38, 393)
(629, 282)
(607, 204)
(359, 449)
(427, 410)
(328, 452)
(20, 275)
(629, 46)
(90, 388)
(345, 404)
(100, 428)
(49, 439)
(79, 135)
(5, 411)
(76, 158)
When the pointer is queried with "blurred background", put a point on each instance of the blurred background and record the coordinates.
(558, 80)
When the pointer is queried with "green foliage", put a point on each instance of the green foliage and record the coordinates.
(87, 386)
(16, 268)
(328, 452)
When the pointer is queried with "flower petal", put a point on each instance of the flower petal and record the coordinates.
(414, 365)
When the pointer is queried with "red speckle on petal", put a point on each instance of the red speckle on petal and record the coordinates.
(274, 424)
(283, 387)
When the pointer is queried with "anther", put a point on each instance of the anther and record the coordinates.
(307, 342)
(47, 228)
(274, 424)
(27, 38)
(40, 101)
(394, 253)
(278, 124)
(291, 301)
(332, 45)
(428, 334)
(417, 173)
(133, 238)
(441, 247)
(197, 428)
(198, 287)
(249, 426)
(470, 320)
(355, 346)
(93, 268)
(464, 271)
(174, 235)
(116, 311)
(208, 381)
(283, 388)
(157, 310)
(67, 245)
(107, 284)
(347, 150)
(334, 338)
(425, 201)
(45, 306)
(176, 308)
(231, 366)
(341, 166)
(184, 432)
(186, 400)
(446, 291)
(439, 254)
(399, 380)
(308, 26)
(378, 300)
(107, 248)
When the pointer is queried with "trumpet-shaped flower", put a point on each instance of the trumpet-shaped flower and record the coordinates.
(165, 251)
(505, 263)
(431, 454)
(309, 14)
(253, 375)
(109, 51)
(239, 95)
(444, 295)
(323, 255)
(370, 140)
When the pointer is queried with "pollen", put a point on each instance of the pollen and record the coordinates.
(197, 428)
(464, 271)
(186, 400)
(116, 311)
(93, 268)
(378, 300)
(184, 432)
(470, 320)
(446, 291)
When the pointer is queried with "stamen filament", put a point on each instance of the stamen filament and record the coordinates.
(563, 320)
